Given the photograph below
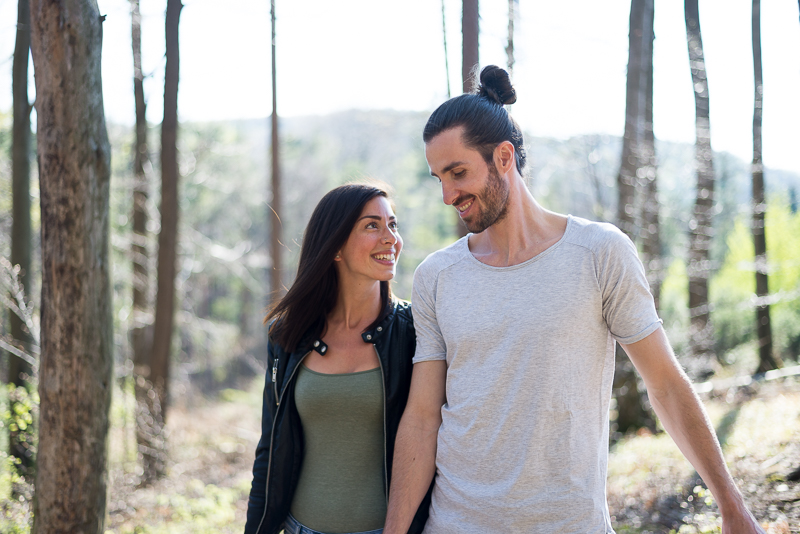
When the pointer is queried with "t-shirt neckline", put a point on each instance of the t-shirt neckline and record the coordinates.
(542, 254)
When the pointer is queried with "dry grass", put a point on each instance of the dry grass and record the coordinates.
(652, 488)
(211, 451)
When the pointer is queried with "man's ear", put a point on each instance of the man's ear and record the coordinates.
(504, 158)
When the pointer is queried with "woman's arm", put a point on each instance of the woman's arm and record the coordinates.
(256, 504)
(415, 448)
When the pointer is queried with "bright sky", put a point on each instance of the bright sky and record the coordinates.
(571, 58)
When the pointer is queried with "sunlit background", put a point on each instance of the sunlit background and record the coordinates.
(571, 59)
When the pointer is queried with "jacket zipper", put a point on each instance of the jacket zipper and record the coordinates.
(275, 381)
(383, 389)
(272, 432)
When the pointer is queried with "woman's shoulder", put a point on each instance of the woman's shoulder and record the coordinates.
(403, 318)
(402, 309)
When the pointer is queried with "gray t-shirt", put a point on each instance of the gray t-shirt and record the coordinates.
(530, 361)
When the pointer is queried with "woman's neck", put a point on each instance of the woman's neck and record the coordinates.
(357, 305)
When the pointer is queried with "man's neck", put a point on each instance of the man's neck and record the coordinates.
(526, 231)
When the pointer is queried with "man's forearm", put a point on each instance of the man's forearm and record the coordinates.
(684, 417)
(413, 469)
(686, 421)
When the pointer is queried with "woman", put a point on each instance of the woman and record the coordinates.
(339, 370)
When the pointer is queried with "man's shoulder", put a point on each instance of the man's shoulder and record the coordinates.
(440, 260)
(595, 236)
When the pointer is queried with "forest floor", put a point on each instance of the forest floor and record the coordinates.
(651, 488)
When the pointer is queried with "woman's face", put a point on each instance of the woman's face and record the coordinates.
(374, 244)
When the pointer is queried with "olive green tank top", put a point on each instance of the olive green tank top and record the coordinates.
(341, 486)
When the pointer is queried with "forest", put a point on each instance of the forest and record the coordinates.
(139, 260)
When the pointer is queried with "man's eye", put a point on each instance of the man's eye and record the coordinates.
(459, 174)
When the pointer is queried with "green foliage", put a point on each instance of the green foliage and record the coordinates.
(18, 411)
(732, 290)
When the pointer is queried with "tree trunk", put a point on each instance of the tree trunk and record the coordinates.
(635, 100)
(636, 167)
(767, 360)
(446, 60)
(168, 236)
(149, 424)
(469, 43)
(19, 370)
(470, 27)
(510, 44)
(650, 233)
(702, 232)
(77, 351)
(276, 246)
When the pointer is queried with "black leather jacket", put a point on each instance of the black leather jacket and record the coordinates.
(280, 450)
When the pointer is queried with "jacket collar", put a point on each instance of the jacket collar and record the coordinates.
(370, 336)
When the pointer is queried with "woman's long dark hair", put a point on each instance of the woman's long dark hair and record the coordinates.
(486, 122)
(301, 314)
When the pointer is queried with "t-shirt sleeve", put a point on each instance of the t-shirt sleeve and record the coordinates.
(628, 307)
(430, 343)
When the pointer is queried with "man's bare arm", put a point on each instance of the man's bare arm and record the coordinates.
(415, 448)
(685, 419)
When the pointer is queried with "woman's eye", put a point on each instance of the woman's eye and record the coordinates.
(372, 225)
(393, 225)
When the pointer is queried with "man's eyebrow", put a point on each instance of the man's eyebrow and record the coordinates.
(450, 167)
(377, 217)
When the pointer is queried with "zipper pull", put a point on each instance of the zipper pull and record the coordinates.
(275, 371)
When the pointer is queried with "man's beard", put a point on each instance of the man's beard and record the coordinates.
(494, 203)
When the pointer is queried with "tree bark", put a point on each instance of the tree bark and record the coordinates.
(149, 424)
(650, 233)
(631, 165)
(276, 246)
(637, 167)
(701, 225)
(510, 43)
(470, 29)
(77, 352)
(168, 236)
(20, 371)
(766, 359)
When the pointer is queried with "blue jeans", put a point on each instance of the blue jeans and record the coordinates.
(293, 526)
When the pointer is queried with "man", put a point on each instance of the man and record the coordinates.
(516, 325)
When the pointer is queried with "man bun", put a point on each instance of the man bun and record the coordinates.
(495, 85)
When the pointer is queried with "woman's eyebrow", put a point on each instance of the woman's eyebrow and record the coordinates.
(377, 217)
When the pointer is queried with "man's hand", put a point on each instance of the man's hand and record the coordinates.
(685, 419)
(415, 448)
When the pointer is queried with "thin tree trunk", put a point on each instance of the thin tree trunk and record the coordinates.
(20, 371)
(149, 424)
(702, 232)
(650, 233)
(510, 43)
(77, 352)
(470, 29)
(276, 248)
(446, 60)
(636, 167)
(168, 236)
(767, 360)
(633, 137)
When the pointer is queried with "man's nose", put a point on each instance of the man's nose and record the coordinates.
(449, 194)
